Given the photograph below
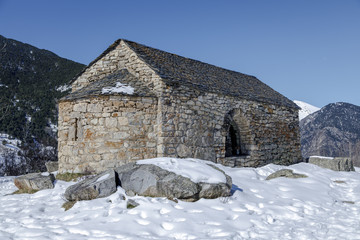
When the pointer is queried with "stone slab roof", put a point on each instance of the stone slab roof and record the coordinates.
(177, 70)
(206, 77)
(121, 76)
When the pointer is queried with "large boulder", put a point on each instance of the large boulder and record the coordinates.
(153, 181)
(34, 181)
(101, 185)
(336, 164)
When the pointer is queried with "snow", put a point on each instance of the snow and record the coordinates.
(28, 117)
(326, 205)
(194, 169)
(53, 126)
(102, 178)
(63, 88)
(306, 109)
(119, 88)
(322, 157)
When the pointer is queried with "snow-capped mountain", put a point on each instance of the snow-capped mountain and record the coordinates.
(306, 109)
(333, 131)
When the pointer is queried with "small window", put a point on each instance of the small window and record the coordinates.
(76, 130)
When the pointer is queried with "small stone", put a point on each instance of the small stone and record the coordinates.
(131, 204)
(288, 173)
(80, 107)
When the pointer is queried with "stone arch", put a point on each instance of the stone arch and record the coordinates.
(237, 134)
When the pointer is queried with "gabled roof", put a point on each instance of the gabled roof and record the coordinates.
(174, 69)
(103, 87)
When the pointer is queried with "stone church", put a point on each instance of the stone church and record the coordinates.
(135, 102)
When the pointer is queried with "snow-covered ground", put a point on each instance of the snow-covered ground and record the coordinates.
(326, 205)
(306, 109)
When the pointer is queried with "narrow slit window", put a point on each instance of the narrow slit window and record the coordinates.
(76, 130)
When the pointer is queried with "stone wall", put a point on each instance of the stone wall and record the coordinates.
(193, 126)
(98, 133)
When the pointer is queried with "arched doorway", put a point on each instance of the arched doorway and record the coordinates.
(232, 141)
(236, 133)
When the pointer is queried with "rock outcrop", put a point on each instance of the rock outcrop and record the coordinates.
(151, 180)
(147, 180)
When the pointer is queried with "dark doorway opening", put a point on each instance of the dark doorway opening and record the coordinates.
(232, 142)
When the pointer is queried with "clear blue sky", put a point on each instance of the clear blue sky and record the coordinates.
(308, 50)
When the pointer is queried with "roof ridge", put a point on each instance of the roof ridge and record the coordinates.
(177, 55)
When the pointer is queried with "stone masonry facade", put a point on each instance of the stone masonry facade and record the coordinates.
(167, 117)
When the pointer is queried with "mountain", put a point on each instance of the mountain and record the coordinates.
(333, 131)
(306, 109)
(31, 81)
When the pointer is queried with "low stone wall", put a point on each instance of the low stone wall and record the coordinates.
(98, 133)
(333, 163)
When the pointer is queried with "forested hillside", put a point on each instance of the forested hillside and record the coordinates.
(31, 82)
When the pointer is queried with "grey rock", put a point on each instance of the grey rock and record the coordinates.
(52, 166)
(101, 185)
(336, 164)
(35, 181)
(131, 204)
(288, 173)
(153, 181)
(210, 190)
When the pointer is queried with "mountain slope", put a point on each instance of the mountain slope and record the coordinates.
(332, 131)
(306, 109)
(31, 81)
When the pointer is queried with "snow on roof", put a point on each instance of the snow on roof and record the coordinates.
(119, 88)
